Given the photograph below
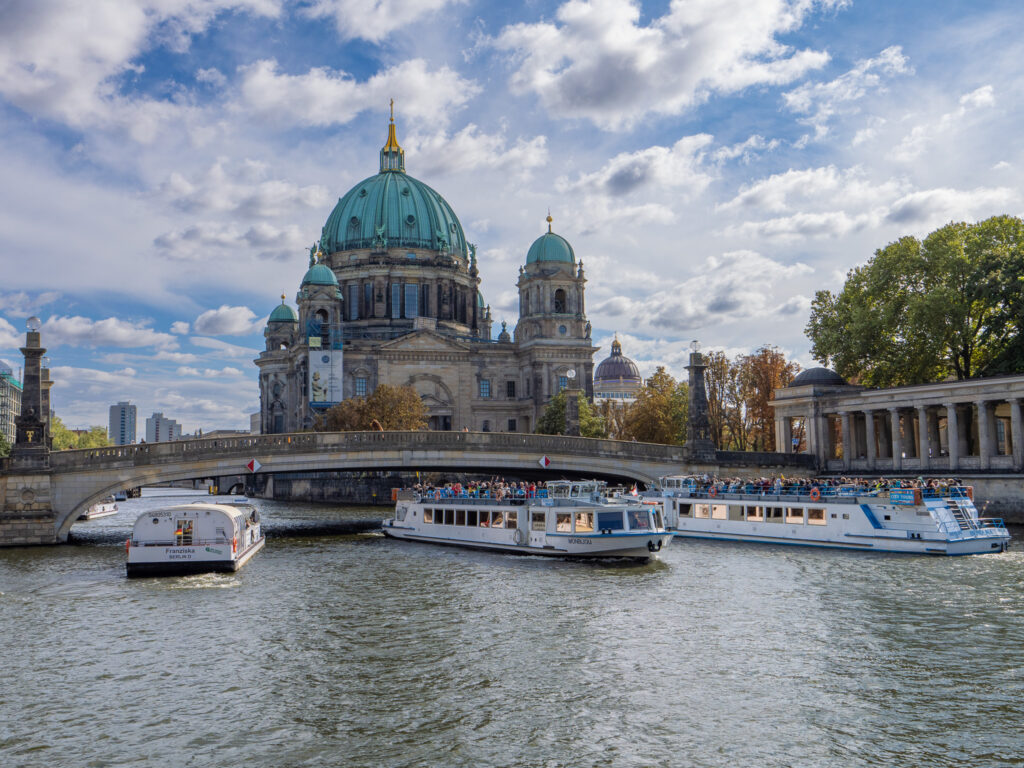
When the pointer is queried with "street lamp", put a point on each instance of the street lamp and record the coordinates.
(695, 346)
(33, 324)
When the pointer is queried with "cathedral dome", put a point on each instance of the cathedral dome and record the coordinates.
(616, 367)
(283, 314)
(550, 247)
(320, 274)
(393, 210)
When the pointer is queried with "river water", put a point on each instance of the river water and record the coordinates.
(330, 650)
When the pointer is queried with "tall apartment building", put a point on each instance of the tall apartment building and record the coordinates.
(10, 401)
(160, 429)
(121, 429)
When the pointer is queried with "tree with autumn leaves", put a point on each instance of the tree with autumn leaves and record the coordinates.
(387, 408)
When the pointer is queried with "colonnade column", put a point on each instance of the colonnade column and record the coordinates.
(844, 417)
(984, 439)
(869, 437)
(897, 441)
(953, 436)
(1016, 433)
(923, 454)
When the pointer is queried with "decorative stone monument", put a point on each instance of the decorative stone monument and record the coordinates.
(699, 448)
(572, 405)
(31, 449)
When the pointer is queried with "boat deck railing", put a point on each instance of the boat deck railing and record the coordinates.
(194, 543)
(832, 494)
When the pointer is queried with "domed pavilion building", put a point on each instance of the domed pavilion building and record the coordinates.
(617, 378)
(392, 296)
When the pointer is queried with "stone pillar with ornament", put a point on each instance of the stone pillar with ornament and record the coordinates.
(699, 447)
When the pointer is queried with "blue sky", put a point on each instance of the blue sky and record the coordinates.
(167, 163)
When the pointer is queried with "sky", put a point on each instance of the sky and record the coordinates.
(165, 165)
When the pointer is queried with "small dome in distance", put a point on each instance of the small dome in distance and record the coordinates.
(616, 367)
(320, 274)
(283, 313)
(819, 377)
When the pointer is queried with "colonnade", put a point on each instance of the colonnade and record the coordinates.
(985, 433)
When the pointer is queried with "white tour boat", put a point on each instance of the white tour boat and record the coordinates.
(914, 520)
(569, 519)
(194, 538)
(104, 508)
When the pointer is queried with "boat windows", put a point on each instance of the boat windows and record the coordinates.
(471, 517)
(735, 512)
(563, 522)
(428, 515)
(222, 535)
(755, 514)
(846, 515)
(460, 517)
(400, 514)
(558, 490)
(511, 519)
(183, 530)
(719, 512)
(773, 514)
(609, 521)
(584, 522)
(816, 517)
(497, 520)
(537, 521)
(685, 510)
(659, 519)
(701, 510)
(639, 520)
(795, 515)
(449, 517)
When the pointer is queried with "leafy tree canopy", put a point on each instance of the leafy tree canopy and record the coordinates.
(659, 414)
(552, 421)
(5, 446)
(922, 311)
(388, 408)
(64, 439)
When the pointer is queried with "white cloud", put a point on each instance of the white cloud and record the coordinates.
(210, 373)
(111, 332)
(745, 150)
(179, 327)
(227, 321)
(600, 63)
(264, 240)
(470, 148)
(224, 348)
(21, 304)
(937, 206)
(372, 20)
(923, 135)
(323, 96)
(9, 336)
(820, 102)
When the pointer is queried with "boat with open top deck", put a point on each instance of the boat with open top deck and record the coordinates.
(939, 521)
(104, 508)
(567, 518)
(194, 538)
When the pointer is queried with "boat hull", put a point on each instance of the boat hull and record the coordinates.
(879, 544)
(182, 561)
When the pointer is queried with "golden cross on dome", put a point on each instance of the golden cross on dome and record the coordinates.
(549, 220)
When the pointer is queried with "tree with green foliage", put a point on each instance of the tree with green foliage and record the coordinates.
(5, 447)
(387, 408)
(659, 414)
(64, 439)
(552, 421)
(922, 311)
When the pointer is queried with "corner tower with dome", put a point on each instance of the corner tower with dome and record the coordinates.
(392, 296)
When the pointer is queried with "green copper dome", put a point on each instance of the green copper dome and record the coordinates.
(283, 314)
(320, 274)
(393, 210)
(551, 247)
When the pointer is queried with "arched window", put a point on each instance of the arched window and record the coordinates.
(559, 307)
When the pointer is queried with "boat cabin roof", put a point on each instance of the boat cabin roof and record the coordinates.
(224, 514)
(574, 489)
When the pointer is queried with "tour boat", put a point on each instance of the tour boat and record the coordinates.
(915, 520)
(568, 519)
(194, 538)
(104, 508)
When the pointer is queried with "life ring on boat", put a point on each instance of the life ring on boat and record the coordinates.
(815, 494)
(519, 537)
(651, 546)
(234, 545)
(127, 545)
(437, 495)
(712, 491)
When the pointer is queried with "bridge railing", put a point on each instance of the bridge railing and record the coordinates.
(304, 442)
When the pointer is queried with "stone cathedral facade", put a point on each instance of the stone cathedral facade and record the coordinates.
(392, 296)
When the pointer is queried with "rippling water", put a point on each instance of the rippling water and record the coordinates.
(362, 651)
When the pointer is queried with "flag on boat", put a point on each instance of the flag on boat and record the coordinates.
(544, 461)
(633, 492)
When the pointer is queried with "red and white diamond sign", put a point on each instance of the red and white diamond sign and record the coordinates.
(544, 461)
(253, 466)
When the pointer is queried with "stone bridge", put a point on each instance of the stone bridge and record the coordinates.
(41, 504)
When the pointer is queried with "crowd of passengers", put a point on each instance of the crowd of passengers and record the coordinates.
(826, 486)
(495, 488)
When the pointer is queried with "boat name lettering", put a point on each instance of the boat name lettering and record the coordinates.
(574, 540)
(179, 554)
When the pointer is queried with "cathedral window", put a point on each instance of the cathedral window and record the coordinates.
(396, 301)
(353, 301)
(412, 300)
(563, 383)
(560, 303)
(367, 299)
(324, 322)
(425, 300)
(486, 427)
(485, 387)
(360, 386)
(510, 391)
(511, 425)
